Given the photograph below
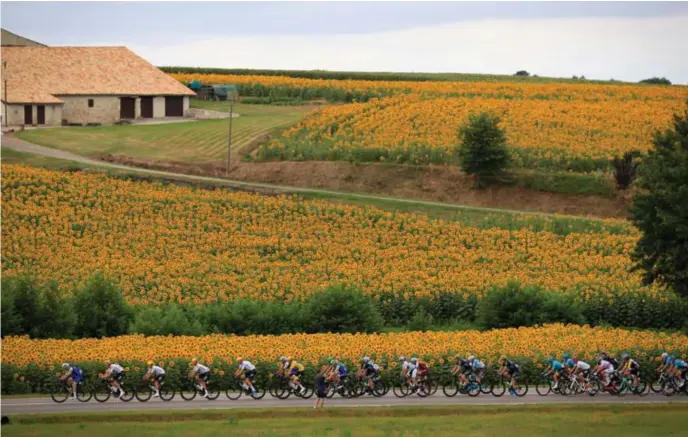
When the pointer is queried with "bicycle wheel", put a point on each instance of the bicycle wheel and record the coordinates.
(307, 392)
(144, 393)
(543, 387)
(60, 393)
(499, 389)
(83, 392)
(472, 389)
(451, 390)
(102, 391)
(427, 388)
(400, 390)
(259, 393)
(668, 388)
(212, 392)
(188, 392)
(234, 391)
(642, 389)
(521, 389)
(166, 394)
(656, 387)
(380, 389)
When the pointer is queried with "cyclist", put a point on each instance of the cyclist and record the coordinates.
(579, 369)
(247, 371)
(667, 361)
(158, 375)
(405, 372)
(478, 368)
(465, 367)
(295, 370)
(604, 368)
(630, 367)
(202, 375)
(339, 374)
(422, 370)
(73, 375)
(611, 360)
(680, 369)
(510, 369)
(556, 368)
(116, 374)
(369, 370)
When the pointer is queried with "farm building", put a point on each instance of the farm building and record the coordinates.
(9, 39)
(85, 85)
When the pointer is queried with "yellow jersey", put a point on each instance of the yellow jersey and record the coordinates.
(296, 365)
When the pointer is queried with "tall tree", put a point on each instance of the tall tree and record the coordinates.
(660, 210)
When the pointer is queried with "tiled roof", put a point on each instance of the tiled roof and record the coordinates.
(42, 74)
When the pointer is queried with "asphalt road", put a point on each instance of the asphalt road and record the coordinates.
(46, 405)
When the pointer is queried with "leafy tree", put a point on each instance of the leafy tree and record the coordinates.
(657, 81)
(342, 309)
(660, 210)
(522, 73)
(100, 310)
(483, 152)
(56, 313)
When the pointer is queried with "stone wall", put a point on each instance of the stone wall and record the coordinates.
(105, 109)
(15, 115)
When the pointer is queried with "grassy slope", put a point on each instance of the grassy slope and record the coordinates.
(516, 421)
(196, 142)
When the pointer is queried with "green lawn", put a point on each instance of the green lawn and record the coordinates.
(659, 420)
(197, 141)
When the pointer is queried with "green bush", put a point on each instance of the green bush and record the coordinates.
(514, 306)
(421, 321)
(483, 152)
(342, 309)
(100, 310)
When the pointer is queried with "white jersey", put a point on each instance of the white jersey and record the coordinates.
(247, 366)
(115, 368)
(477, 364)
(200, 369)
(156, 371)
(582, 365)
(411, 367)
(405, 366)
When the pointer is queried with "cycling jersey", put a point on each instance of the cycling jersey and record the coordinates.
(410, 367)
(371, 368)
(511, 366)
(115, 369)
(668, 360)
(680, 364)
(405, 366)
(247, 366)
(342, 370)
(156, 371)
(606, 365)
(477, 364)
(76, 373)
(200, 369)
(582, 365)
(556, 365)
(296, 366)
(570, 363)
(465, 365)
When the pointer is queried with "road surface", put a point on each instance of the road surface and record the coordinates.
(46, 405)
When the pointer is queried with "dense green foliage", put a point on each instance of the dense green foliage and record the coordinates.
(483, 152)
(29, 307)
(656, 81)
(660, 210)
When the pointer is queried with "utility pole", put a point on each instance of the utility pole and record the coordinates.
(4, 94)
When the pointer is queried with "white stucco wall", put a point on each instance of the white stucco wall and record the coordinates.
(105, 109)
(186, 106)
(158, 107)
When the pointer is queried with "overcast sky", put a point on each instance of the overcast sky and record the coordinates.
(602, 40)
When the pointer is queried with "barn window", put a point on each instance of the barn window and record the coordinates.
(90, 103)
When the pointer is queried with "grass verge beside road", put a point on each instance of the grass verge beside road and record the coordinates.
(560, 420)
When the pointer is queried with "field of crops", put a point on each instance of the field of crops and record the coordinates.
(178, 244)
(531, 343)
(576, 127)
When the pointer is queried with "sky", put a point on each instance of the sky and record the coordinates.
(601, 40)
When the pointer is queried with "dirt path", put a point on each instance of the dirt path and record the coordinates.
(431, 187)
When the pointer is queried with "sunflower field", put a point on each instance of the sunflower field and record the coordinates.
(550, 126)
(31, 365)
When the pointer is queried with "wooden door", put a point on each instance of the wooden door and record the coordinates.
(127, 108)
(28, 114)
(40, 114)
(146, 107)
(174, 106)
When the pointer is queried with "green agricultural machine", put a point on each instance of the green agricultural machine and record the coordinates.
(214, 92)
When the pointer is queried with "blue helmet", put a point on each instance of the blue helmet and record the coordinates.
(566, 356)
(570, 363)
(550, 360)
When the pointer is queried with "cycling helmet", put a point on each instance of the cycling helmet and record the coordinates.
(550, 360)
(502, 359)
(566, 356)
(624, 356)
(570, 362)
(414, 360)
(150, 363)
(664, 355)
(333, 362)
(283, 358)
(402, 358)
(471, 358)
(366, 359)
(457, 356)
(65, 365)
(194, 361)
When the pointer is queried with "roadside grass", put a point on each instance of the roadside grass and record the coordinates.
(11, 156)
(629, 420)
(194, 142)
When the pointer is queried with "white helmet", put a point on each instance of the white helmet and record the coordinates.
(366, 359)
(402, 358)
(65, 365)
(283, 358)
(414, 360)
(471, 358)
(664, 355)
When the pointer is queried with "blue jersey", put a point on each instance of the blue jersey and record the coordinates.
(556, 365)
(342, 370)
(76, 373)
(670, 359)
(680, 364)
